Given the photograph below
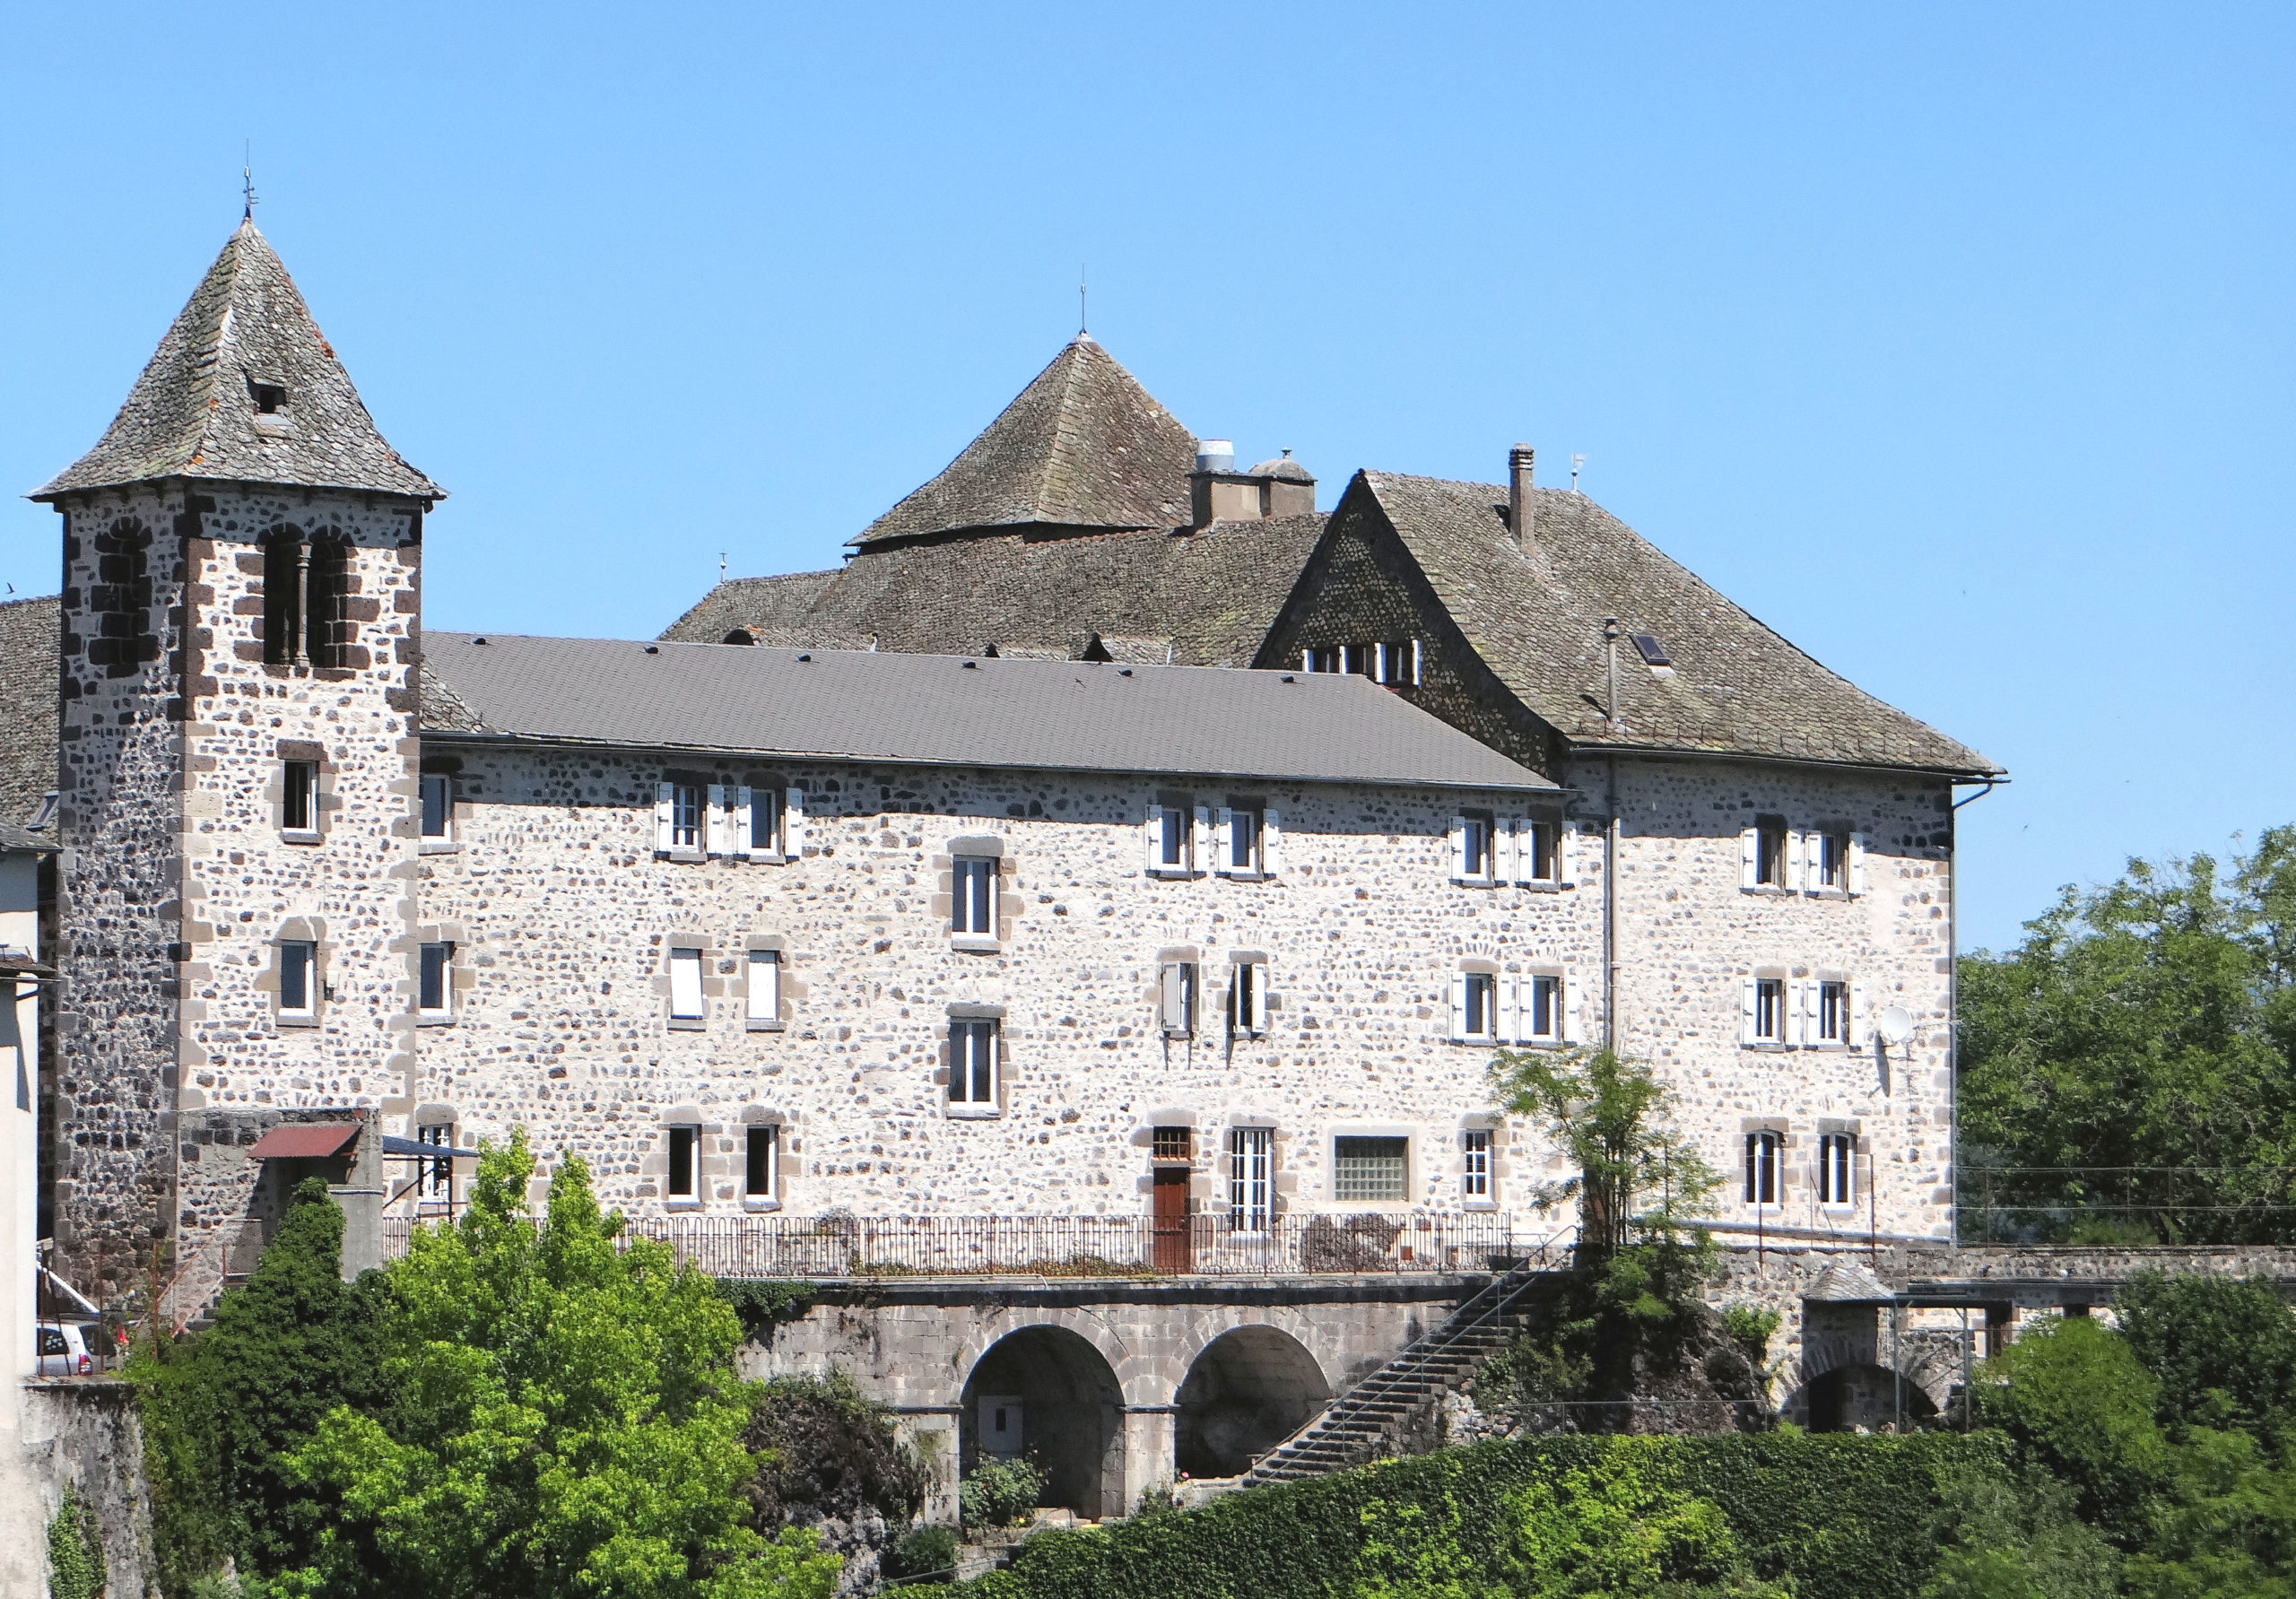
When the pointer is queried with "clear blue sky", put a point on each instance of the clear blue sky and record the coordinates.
(1953, 341)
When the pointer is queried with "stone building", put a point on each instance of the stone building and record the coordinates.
(1114, 847)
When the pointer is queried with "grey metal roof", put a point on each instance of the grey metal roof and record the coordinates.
(1082, 446)
(193, 412)
(1047, 716)
(1735, 688)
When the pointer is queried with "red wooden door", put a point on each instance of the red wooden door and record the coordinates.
(1168, 1230)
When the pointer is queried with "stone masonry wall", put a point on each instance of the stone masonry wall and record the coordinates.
(1688, 935)
(181, 883)
(562, 917)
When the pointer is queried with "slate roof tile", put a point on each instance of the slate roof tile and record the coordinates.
(28, 704)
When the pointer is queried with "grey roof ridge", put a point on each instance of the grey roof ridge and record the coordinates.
(832, 572)
(1990, 771)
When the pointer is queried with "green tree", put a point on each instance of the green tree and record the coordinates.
(2151, 1024)
(2076, 1395)
(2224, 1351)
(566, 1421)
(222, 1409)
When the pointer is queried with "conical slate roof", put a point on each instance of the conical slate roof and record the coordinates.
(194, 411)
(1083, 446)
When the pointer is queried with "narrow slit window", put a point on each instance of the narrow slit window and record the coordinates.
(298, 977)
(1474, 1182)
(972, 1062)
(438, 989)
(299, 796)
(972, 904)
(685, 985)
(682, 1140)
(437, 1172)
(762, 1173)
(1369, 1169)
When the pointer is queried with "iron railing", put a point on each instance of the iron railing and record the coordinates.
(2126, 1205)
(844, 1245)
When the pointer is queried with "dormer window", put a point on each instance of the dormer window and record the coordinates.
(270, 398)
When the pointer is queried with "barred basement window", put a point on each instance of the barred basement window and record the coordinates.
(1369, 1168)
(762, 1167)
(1765, 1156)
(682, 1140)
(1838, 1169)
(1172, 1143)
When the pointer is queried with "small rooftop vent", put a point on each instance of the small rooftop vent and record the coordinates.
(1215, 455)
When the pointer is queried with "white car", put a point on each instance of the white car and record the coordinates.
(63, 1350)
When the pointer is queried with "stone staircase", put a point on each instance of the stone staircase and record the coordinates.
(1362, 1423)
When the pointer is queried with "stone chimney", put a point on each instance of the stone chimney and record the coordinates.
(1519, 515)
(1219, 493)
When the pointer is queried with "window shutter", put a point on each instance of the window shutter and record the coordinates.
(1346, 659)
(1198, 841)
(718, 823)
(793, 823)
(1224, 834)
(1746, 1011)
(1796, 996)
(1175, 1000)
(1574, 1011)
(1502, 849)
(664, 796)
(1259, 1001)
(738, 846)
(1857, 863)
(1271, 834)
(1566, 846)
(1794, 840)
(1858, 1016)
(1507, 995)
(1458, 1007)
(1380, 667)
(1458, 849)
(1749, 841)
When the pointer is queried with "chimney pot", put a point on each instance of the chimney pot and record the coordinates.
(1519, 514)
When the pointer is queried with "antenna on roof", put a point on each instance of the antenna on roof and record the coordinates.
(1083, 323)
(1577, 461)
(247, 176)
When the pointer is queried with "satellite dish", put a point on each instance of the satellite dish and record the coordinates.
(1897, 1026)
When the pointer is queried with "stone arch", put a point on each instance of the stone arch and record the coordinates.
(1049, 1392)
(1858, 1394)
(1246, 1390)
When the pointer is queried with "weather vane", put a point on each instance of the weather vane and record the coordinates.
(247, 173)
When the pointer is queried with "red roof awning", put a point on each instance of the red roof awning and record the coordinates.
(304, 1140)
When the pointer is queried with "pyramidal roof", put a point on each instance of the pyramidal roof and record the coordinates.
(245, 387)
(1082, 446)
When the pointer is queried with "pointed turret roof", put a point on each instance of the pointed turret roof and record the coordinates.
(1083, 446)
(245, 387)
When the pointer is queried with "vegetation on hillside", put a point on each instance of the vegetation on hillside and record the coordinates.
(2129, 1072)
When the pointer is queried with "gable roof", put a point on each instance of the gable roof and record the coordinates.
(28, 704)
(192, 413)
(763, 603)
(953, 710)
(1736, 687)
(1082, 446)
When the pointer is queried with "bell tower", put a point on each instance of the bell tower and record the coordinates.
(240, 637)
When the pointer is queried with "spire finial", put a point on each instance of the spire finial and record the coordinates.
(1083, 323)
(247, 175)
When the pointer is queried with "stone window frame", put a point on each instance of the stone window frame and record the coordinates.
(1810, 852)
(298, 930)
(1413, 1159)
(1174, 807)
(1267, 840)
(1757, 856)
(754, 1117)
(1177, 994)
(300, 751)
(1260, 1023)
(427, 1116)
(457, 973)
(683, 1118)
(1000, 1065)
(1750, 1034)
(1234, 1184)
(754, 944)
(715, 966)
(1004, 900)
(1783, 1165)
(1463, 874)
(1470, 972)
(1491, 1129)
(1813, 1003)
(442, 770)
(1830, 1127)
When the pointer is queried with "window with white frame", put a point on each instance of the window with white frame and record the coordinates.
(1473, 856)
(435, 991)
(1539, 851)
(1764, 1011)
(299, 796)
(1543, 1008)
(1830, 1012)
(1395, 662)
(761, 996)
(1251, 1178)
(1374, 1171)
(1764, 857)
(972, 899)
(761, 1161)
(1244, 839)
(1474, 1007)
(1838, 1169)
(299, 978)
(1171, 841)
(759, 814)
(972, 1061)
(1325, 657)
(1176, 999)
(1474, 1174)
(1248, 999)
(435, 1173)
(682, 824)
(1826, 862)
(685, 985)
(684, 1147)
(437, 808)
(1765, 1167)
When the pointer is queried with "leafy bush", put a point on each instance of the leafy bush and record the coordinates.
(2224, 1351)
(923, 1552)
(2074, 1394)
(2008, 1537)
(765, 1303)
(998, 1493)
(75, 1552)
(1835, 1517)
